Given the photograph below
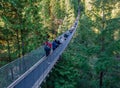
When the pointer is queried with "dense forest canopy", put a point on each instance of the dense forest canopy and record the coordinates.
(92, 59)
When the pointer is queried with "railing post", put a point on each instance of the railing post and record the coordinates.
(12, 75)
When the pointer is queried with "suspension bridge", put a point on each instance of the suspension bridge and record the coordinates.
(31, 70)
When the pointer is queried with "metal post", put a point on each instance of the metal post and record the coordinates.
(12, 75)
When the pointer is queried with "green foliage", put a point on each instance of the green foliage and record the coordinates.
(3, 63)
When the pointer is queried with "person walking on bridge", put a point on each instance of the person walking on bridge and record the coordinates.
(48, 47)
(55, 44)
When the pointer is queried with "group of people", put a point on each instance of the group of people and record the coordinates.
(49, 47)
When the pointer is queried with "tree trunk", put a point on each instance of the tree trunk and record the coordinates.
(103, 28)
(101, 79)
(18, 43)
(22, 40)
(8, 48)
(102, 44)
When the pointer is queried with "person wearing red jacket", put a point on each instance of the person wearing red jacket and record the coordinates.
(47, 47)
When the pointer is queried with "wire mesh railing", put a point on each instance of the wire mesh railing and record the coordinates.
(15, 69)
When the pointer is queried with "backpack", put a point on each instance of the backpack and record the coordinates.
(48, 45)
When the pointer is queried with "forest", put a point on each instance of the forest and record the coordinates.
(92, 59)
